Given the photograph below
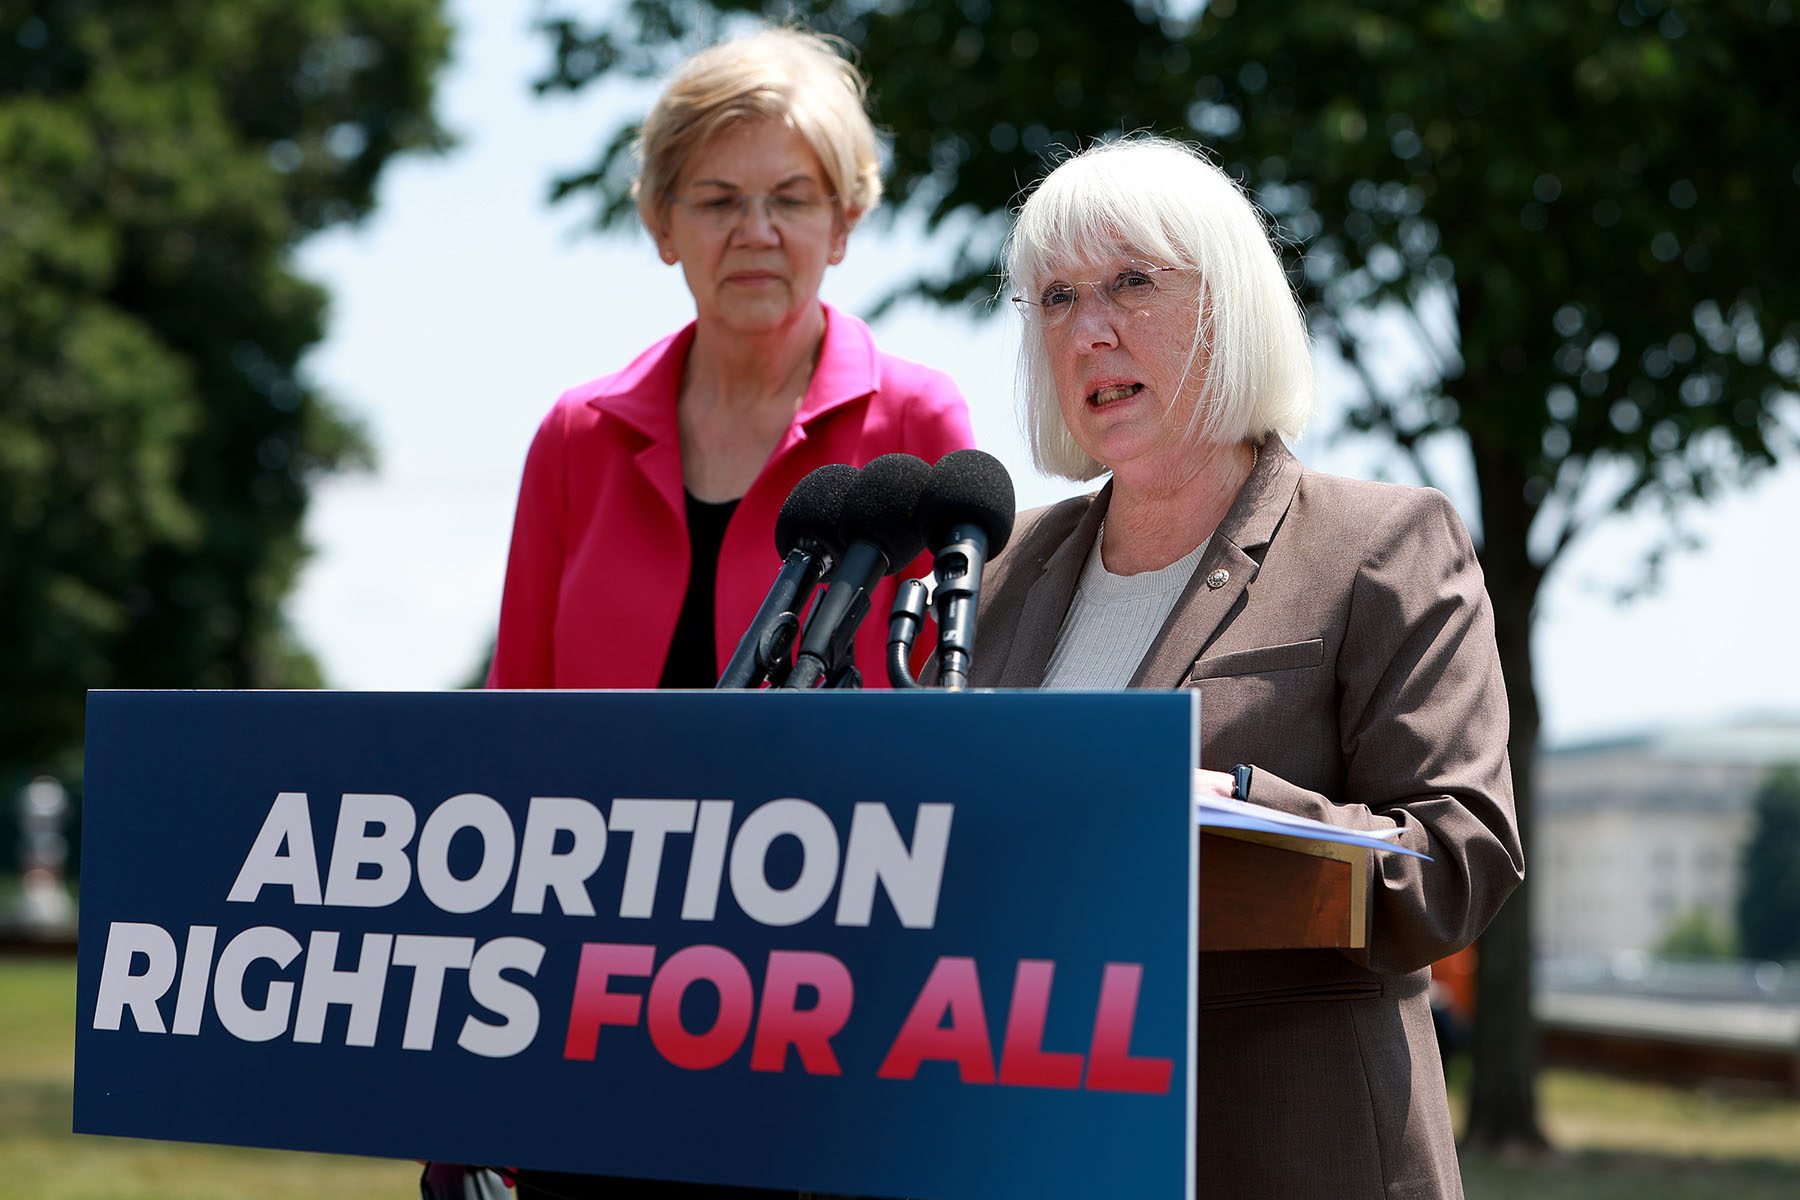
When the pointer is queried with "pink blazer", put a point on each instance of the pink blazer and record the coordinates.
(600, 557)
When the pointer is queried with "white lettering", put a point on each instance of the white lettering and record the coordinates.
(648, 821)
(323, 985)
(235, 1013)
(483, 814)
(121, 989)
(510, 1001)
(912, 877)
(196, 973)
(542, 870)
(289, 822)
(429, 957)
(818, 870)
(706, 866)
(353, 848)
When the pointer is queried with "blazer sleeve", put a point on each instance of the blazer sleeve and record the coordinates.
(1423, 724)
(524, 648)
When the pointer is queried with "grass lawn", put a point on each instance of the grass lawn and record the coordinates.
(1621, 1140)
(1616, 1140)
(41, 1160)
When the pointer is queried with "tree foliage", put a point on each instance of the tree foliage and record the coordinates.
(1551, 237)
(1609, 177)
(159, 161)
(1768, 910)
(1698, 932)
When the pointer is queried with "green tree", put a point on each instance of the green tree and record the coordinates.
(1573, 212)
(1697, 933)
(159, 162)
(1768, 909)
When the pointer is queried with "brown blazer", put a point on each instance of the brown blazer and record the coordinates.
(1342, 641)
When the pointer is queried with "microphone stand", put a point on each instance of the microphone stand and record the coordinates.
(959, 584)
(765, 649)
(904, 624)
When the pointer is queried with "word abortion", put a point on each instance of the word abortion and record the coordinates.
(374, 861)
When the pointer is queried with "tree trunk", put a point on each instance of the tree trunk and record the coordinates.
(1503, 1111)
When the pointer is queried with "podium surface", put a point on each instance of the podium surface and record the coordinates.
(1263, 892)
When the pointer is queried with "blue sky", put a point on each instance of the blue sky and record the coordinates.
(466, 303)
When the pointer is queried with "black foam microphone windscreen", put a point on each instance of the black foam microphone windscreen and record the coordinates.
(880, 530)
(882, 506)
(966, 514)
(967, 487)
(806, 537)
(812, 511)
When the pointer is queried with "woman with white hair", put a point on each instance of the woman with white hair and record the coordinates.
(1339, 632)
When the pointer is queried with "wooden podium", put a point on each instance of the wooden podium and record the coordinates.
(1261, 891)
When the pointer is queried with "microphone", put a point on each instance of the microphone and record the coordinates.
(881, 535)
(966, 512)
(806, 537)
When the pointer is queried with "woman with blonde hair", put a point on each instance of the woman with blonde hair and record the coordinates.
(644, 538)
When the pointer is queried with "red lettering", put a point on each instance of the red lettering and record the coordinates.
(952, 992)
(672, 1039)
(781, 1023)
(594, 1006)
(1111, 1068)
(1023, 1060)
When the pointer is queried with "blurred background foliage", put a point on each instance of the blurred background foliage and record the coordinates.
(159, 161)
(1550, 241)
(1768, 913)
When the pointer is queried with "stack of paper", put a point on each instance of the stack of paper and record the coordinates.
(1212, 811)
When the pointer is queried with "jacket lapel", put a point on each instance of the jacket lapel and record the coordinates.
(1210, 597)
(642, 399)
(1047, 600)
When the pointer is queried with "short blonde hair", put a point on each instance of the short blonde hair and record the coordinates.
(789, 75)
(1162, 199)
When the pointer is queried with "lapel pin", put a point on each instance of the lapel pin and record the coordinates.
(1218, 578)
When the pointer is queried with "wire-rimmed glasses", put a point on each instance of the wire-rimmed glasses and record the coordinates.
(1133, 287)
(723, 209)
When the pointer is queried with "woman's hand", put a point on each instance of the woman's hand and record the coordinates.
(1218, 783)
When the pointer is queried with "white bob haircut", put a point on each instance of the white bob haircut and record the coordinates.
(1160, 200)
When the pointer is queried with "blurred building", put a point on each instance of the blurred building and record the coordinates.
(1633, 835)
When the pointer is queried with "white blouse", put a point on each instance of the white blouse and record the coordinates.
(1112, 621)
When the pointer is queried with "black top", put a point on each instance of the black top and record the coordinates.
(693, 660)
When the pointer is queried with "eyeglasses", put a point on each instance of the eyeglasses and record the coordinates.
(1132, 288)
(723, 211)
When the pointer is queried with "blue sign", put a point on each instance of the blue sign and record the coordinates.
(884, 944)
